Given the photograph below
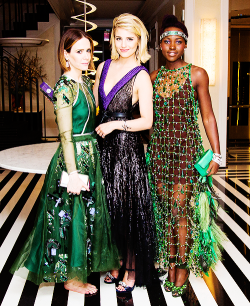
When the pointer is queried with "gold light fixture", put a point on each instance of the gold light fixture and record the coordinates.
(83, 17)
(208, 47)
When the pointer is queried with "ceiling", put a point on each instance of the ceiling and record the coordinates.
(105, 12)
(110, 9)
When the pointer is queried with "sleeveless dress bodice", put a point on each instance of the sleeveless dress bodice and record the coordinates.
(179, 194)
(126, 181)
(176, 139)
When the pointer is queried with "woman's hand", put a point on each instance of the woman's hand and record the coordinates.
(75, 184)
(105, 128)
(213, 168)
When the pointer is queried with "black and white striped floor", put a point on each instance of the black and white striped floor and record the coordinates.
(228, 284)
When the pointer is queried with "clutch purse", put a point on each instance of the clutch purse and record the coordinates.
(203, 163)
(47, 90)
(65, 179)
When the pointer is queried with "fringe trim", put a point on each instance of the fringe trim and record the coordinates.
(206, 251)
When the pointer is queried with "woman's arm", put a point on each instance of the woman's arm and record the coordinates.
(143, 92)
(201, 82)
(63, 110)
(97, 82)
(153, 75)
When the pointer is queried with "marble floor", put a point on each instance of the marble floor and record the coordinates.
(228, 284)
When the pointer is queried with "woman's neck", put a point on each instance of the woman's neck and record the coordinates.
(77, 76)
(127, 61)
(176, 64)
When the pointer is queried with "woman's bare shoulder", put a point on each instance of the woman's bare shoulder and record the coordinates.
(100, 67)
(153, 75)
(199, 76)
(198, 72)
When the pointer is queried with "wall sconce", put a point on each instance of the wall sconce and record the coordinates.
(208, 47)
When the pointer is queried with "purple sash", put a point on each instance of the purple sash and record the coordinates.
(107, 99)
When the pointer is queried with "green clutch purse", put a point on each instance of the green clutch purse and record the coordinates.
(203, 163)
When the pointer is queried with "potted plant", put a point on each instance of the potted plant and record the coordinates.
(24, 69)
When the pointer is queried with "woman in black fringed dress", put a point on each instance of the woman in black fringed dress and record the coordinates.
(121, 84)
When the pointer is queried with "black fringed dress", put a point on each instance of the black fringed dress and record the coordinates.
(126, 180)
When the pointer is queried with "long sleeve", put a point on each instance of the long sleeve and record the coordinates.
(63, 100)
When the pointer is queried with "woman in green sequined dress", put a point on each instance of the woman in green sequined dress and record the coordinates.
(180, 91)
(71, 237)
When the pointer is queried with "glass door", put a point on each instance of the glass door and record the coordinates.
(239, 100)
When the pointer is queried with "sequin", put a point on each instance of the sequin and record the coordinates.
(72, 234)
(125, 177)
(175, 184)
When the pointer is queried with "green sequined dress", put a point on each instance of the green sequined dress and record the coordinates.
(180, 196)
(71, 237)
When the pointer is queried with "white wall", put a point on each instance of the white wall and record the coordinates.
(48, 54)
(195, 10)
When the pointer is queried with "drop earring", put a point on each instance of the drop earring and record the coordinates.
(137, 53)
(67, 63)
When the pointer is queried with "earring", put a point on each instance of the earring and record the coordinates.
(137, 53)
(67, 63)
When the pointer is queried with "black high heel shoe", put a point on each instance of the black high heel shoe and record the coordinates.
(125, 286)
(113, 280)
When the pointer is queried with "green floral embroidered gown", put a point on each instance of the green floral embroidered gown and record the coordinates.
(71, 237)
(184, 209)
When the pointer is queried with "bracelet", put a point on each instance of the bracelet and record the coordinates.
(218, 155)
(217, 158)
(125, 126)
(73, 172)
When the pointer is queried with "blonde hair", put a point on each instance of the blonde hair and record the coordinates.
(132, 24)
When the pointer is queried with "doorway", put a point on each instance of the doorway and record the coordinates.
(239, 98)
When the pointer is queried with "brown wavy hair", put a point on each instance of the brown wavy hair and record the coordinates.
(69, 38)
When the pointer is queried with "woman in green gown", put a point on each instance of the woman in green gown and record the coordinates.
(185, 207)
(71, 237)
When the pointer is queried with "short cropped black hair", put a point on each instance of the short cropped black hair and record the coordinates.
(172, 21)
